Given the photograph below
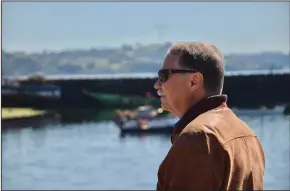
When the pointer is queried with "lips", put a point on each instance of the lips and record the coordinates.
(160, 94)
(162, 98)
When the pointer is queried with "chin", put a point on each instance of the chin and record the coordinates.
(165, 107)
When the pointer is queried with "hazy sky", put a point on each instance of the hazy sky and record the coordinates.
(233, 27)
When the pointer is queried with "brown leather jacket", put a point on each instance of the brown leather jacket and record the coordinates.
(212, 149)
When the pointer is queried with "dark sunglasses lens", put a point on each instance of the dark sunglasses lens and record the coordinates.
(162, 76)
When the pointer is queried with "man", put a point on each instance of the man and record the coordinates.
(212, 149)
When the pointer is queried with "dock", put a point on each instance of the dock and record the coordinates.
(245, 89)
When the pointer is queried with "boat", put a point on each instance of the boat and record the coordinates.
(49, 91)
(34, 86)
(33, 93)
(145, 119)
(121, 101)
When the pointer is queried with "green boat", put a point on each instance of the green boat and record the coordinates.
(122, 101)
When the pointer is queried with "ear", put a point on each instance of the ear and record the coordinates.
(196, 81)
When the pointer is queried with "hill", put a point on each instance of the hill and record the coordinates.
(127, 58)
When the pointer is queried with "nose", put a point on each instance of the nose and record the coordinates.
(157, 85)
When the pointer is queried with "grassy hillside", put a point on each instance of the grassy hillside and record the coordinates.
(128, 58)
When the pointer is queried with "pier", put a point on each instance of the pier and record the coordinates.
(245, 89)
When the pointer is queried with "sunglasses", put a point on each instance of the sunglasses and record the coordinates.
(163, 74)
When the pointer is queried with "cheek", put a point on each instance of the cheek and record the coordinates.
(173, 92)
(167, 89)
(177, 91)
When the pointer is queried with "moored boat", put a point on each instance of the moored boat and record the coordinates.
(35, 86)
(121, 101)
(35, 92)
(145, 119)
(49, 91)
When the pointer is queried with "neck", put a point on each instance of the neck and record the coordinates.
(198, 108)
(190, 103)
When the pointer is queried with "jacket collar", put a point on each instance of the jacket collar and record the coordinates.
(202, 106)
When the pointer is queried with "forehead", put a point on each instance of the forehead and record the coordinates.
(170, 61)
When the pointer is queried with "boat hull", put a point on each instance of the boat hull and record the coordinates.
(159, 125)
(30, 95)
(155, 130)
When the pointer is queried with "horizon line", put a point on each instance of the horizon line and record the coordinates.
(137, 44)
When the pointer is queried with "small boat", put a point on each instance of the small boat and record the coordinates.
(30, 94)
(145, 119)
(121, 101)
(49, 91)
(35, 86)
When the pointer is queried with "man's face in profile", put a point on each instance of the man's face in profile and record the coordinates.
(174, 91)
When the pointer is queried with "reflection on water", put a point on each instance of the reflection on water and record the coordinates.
(59, 153)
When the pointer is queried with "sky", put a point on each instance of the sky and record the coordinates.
(234, 27)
